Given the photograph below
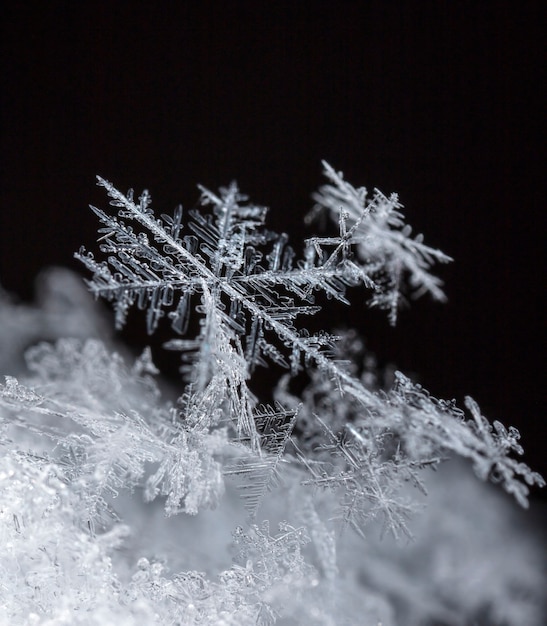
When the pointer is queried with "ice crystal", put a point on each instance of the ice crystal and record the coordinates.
(91, 451)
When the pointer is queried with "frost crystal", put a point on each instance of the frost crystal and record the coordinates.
(94, 460)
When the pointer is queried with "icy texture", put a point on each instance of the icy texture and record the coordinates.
(118, 506)
(385, 248)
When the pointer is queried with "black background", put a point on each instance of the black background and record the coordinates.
(441, 102)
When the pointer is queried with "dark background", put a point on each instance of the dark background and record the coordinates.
(441, 102)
